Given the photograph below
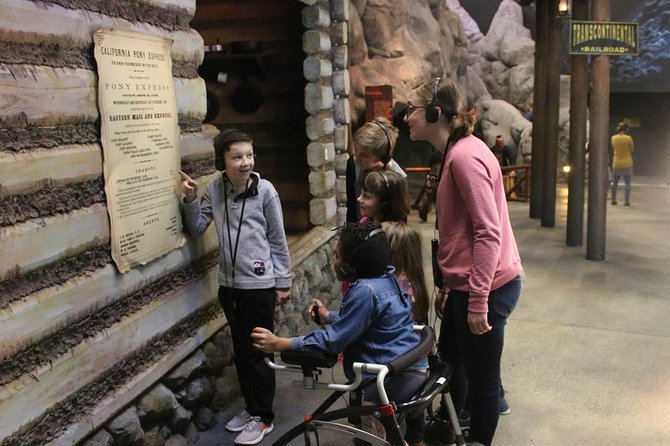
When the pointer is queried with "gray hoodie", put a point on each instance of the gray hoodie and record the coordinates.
(262, 259)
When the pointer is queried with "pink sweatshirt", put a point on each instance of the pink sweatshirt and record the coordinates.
(477, 250)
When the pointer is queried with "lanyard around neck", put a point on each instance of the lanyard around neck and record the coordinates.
(233, 251)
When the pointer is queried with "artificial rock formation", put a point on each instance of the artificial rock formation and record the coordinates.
(403, 43)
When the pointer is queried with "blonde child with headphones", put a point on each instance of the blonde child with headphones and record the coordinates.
(373, 146)
(254, 267)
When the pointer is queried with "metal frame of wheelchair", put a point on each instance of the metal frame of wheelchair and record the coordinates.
(387, 412)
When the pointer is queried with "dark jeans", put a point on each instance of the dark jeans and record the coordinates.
(246, 309)
(477, 357)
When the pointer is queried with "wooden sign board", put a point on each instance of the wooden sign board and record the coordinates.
(604, 38)
(378, 102)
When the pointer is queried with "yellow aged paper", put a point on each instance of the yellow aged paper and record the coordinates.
(140, 141)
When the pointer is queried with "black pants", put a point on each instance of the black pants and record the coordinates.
(246, 309)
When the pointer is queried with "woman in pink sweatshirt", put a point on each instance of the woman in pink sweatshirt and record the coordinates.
(477, 254)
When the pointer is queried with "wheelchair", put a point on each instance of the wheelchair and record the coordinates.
(389, 413)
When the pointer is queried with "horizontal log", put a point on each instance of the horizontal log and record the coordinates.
(53, 21)
(39, 242)
(187, 5)
(77, 298)
(114, 403)
(72, 96)
(28, 172)
(27, 398)
(191, 97)
(42, 241)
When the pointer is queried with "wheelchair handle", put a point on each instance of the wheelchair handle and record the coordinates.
(410, 357)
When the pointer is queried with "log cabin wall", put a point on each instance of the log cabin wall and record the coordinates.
(79, 342)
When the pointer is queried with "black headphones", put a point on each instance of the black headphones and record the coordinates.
(347, 267)
(384, 203)
(387, 156)
(433, 111)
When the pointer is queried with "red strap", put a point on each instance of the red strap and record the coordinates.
(388, 409)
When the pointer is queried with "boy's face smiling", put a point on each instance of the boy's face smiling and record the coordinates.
(239, 162)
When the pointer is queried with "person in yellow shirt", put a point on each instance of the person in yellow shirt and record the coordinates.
(622, 161)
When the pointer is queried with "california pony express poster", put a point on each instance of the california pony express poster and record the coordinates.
(140, 142)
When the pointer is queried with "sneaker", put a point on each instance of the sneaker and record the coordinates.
(614, 203)
(627, 203)
(238, 422)
(254, 432)
(504, 407)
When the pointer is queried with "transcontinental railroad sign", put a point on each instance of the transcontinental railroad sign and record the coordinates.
(604, 38)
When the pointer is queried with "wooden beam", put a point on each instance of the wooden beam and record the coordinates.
(77, 298)
(42, 241)
(27, 398)
(72, 93)
(50, 20)
(28, 172)
(30, 245)
(187, 5)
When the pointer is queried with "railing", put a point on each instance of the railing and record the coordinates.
(516, 180)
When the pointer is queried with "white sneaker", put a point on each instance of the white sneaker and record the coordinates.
(238, 422)
(254, 432)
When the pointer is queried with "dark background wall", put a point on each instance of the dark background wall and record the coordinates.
(651, 138)
(264, 92)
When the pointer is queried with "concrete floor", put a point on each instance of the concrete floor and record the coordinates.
(587, 354)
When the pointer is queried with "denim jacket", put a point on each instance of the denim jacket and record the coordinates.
(374, 325)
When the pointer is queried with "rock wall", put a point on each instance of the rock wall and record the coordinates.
(404, 43)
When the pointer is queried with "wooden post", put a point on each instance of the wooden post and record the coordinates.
(539, 95)
(598, 145)
(553, 96)
(579, 88)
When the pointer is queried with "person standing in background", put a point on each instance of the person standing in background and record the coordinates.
(622, 161)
